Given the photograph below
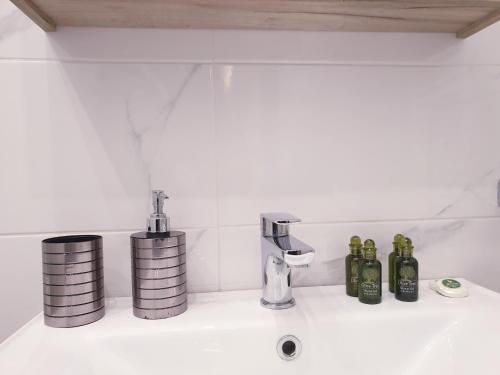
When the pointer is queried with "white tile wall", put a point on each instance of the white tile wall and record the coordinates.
(355, 48)
(81, 134)
(354, 133)
(350, 143)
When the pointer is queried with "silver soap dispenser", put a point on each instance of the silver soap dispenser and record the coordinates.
(158, 266)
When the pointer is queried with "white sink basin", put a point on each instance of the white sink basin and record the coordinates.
(230, 333)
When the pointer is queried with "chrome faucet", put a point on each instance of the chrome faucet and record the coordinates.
(280, 253)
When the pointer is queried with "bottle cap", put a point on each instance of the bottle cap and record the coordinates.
(158, 222)
(406, 248)
(355, 244)
(404, 241)
(369, 243)
(396, 240)
(370, 251)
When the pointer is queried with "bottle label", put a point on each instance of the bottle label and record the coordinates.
(408, 286)
(370, 289)
(408, 281)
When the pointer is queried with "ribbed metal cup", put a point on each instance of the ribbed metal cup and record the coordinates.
(72, 290)
(158, 274)
(71, 300)
(74, 321)
(73, 280)
(72, 310)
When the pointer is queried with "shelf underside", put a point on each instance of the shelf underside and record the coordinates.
(462, 17)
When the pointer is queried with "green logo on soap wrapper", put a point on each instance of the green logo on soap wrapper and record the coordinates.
(451, 283)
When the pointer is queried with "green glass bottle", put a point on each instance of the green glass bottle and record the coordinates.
(352, 266)
(392, 259)
(406, 274)
(369, 243)
(370, 275)
(398, 255)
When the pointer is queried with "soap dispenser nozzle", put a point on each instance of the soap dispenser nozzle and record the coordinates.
(158, 222)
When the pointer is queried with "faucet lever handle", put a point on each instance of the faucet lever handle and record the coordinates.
(275, 224)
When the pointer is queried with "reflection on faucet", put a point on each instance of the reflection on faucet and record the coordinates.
(280, 253)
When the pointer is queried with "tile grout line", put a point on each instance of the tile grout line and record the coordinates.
(103, 61)
(382, 64)
(214, 62)
(247, 225)
(216, 159)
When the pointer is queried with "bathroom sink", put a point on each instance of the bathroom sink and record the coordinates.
(230, 333)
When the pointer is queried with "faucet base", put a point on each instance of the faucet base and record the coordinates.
(277, 306)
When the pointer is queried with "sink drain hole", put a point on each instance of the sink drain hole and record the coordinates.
(289, 347)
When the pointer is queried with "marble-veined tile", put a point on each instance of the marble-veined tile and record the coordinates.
(356, 143)
(85, 144)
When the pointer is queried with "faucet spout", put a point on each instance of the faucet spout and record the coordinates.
(294, 252)
(280, 253)
(299, 261)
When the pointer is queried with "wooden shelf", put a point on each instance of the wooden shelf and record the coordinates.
(462, 17)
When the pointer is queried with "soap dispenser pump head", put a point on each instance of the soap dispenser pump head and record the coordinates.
(158, 222)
